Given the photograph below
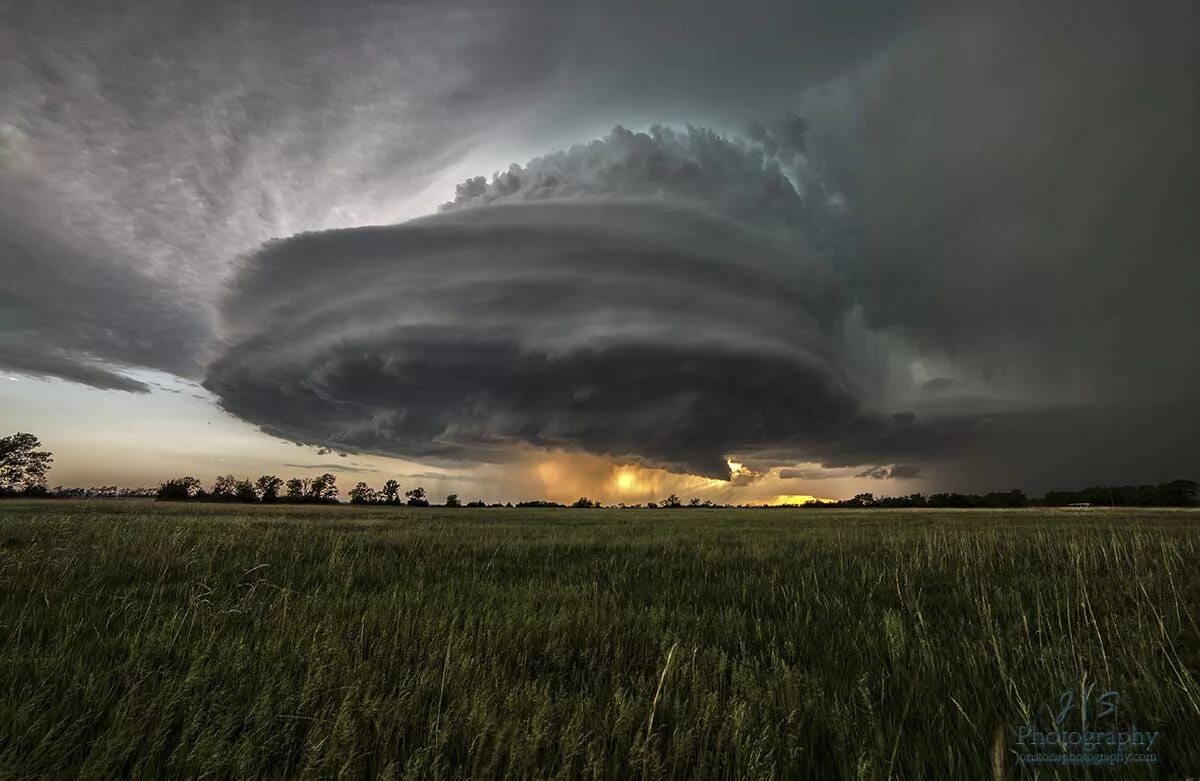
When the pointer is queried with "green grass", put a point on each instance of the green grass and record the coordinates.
(144, 640)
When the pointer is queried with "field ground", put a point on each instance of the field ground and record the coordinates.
(144, 639)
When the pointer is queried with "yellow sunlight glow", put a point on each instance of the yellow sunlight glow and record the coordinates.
(796, 499)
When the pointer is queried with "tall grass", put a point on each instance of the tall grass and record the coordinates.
(143, 640)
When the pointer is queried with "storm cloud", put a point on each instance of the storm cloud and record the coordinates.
(647, 297)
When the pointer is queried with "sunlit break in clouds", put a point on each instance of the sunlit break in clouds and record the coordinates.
(552, 248)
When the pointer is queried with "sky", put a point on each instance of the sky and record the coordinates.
(741, 251)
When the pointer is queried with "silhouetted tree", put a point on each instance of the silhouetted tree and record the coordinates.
(1177, 493)
(416, 497)
(178, 490)
(362, 494)
(296, 489)
(268, 488)
(243, 491)
(391, 492)
(453, 501)
(23, 466)
(583, 502)
(323, 488)
(223, 487)
(671, 501)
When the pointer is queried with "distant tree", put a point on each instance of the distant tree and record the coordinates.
(362, 494)
(1013, 498)
(694, 501)
(268, 487)
(223, 488)
(672, 501)
(296, 489)
(583, 502)
(391, 492)
(323, 488)
(178, 490)
(243, 491)
(477, 503)
(453, 501)
(1177, 493)
(651, 505)
(416, 497)
(23, 466)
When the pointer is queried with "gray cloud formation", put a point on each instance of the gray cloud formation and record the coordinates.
(651, 297)
(895, 472)
(145, 145)
(602, 300)
(333, 467)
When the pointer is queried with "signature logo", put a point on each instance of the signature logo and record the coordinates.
(1086, 728)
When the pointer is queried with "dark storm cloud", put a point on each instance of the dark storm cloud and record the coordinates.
(650, 296)
(654, 330)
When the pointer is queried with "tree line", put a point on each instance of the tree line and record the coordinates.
(24, 466)
(270, 489)
(1174, 493)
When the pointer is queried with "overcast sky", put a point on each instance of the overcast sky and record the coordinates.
(552, 248)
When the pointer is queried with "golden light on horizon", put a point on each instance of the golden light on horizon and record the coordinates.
(797, 499)
(565, 477)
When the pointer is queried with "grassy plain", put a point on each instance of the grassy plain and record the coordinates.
(143, 639)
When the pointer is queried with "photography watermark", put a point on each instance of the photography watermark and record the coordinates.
(1085, 728)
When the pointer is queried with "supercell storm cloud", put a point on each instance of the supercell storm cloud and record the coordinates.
(650, 297)
(956, 241)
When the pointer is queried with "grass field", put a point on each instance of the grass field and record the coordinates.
(144, 639)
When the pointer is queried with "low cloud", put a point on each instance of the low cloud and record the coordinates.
(897, 472)
(333, 467)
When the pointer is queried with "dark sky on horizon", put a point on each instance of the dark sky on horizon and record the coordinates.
(845, 246)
